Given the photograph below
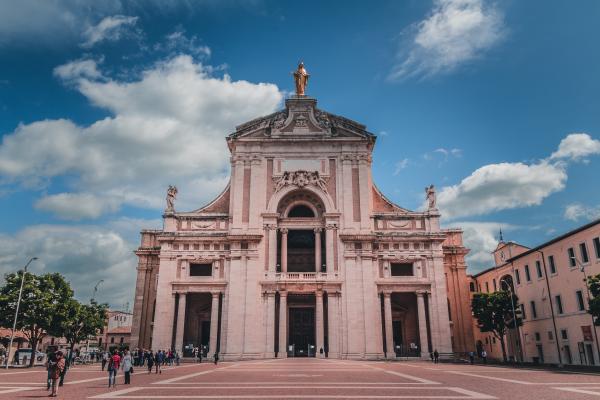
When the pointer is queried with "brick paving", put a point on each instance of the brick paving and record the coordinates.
(313, 379)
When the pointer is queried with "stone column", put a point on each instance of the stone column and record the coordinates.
(270, 318)
(332, 324)
(320, 322)
(214, 323)
(272, 249)
(422, 323)
(389, 330)
(329, 244)
(284, 233)
(282, 325)
(318, 249)
(180, 323)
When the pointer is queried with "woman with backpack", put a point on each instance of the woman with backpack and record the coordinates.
(113, 366)
(55, 369)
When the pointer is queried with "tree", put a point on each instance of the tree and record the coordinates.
(594, 285)
(494, 313)
(43, 301)
(79, 321)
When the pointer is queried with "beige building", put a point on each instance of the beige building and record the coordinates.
(302, 255)
(549, 282)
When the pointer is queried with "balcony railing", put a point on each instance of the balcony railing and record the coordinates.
(301, 276)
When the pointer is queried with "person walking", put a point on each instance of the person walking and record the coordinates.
(177, 358)
(157, 361)
(68, 362)
(216, 358)
(50, 363)
(113, 366)
(127, 367)
(104, 360)
(484, 356)
(471, 358)
(55, 372)
(436, 356)
(150, 361)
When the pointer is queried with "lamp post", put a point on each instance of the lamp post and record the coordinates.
(12, 335)
(587, 290)
(512, 303)
(87, 343)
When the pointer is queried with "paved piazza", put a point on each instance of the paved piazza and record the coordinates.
(313, 379)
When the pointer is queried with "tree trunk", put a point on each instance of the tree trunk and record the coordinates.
(503, 348)
(34, 343)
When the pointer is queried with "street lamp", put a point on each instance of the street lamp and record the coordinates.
(587, 290)
(87, 343)
(12, 335)
(512, 303)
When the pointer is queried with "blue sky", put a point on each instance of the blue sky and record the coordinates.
(104, 104)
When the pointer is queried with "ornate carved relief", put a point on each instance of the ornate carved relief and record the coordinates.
(203, 225)
(301, 179)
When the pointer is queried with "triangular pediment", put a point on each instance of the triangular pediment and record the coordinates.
(301, 118)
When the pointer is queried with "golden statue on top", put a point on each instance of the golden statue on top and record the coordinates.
(301, 78)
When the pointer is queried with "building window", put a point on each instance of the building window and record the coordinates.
(527, 274)
(571, 254)
(580, 302)
(597, 246)
(584, 254)
(495, 288)
(112, 340)
(402, 269)
(559, 306)
(471, 286)
(538, 337)
(244, 246)
(523, 311)
(533, 310)
(200, 269)
(564, 334)
(550, 336)
(121, 341)
(552, 264)
(518, 276)
(487, 287)
(538, 269)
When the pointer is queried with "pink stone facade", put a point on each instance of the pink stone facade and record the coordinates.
(301, 255)
(550, 286)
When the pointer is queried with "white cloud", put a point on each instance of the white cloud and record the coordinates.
(481, 238)
(400, 165)
(178, 42)
(501, 186)
(454, 33)
(75, 206)
(78, 69)
(168, 127)
(576, 146)
(83, 254)
(110, 28)
(578, 211)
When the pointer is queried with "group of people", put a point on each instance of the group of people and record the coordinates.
(435, 356)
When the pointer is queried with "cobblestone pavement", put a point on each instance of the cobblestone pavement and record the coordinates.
(312, 379)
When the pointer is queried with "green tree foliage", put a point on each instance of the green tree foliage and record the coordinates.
(43, 302)
(594, 285)
(494, 313)
(79, 321)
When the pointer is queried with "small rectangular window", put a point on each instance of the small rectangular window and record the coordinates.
(402, 269)
(533, 310)
(580, 302)
(244, 246)
(487, 287)
(538, 337)
(552, 264)
(584, 254)
(559, 306)
(495, 288)
(538, 269)
(571, 254)
(471, 286)
(523, 311)
(564, 334)
(550, 336)
(518, 277)
(597, 246)
(527, 274)
(200, 269)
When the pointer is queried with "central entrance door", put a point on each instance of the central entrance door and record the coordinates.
(302, 331)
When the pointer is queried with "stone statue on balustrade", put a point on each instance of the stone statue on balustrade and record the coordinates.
(171, 197)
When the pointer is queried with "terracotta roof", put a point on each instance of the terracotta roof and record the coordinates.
(6, 332)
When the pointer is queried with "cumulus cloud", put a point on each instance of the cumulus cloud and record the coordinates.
(481, 238)
(576, 146)
(83, 254)
(110, 28)
(454, 33)
(76, 206)
(577, 211)
(78, 69)
(167, 127)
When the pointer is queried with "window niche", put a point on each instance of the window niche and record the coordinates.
(200, 269)
(402, 269)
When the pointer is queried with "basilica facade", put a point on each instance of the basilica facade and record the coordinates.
(302, 255)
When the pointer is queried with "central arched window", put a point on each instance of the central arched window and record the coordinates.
(301, 211)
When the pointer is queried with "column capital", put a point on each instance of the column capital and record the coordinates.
(420, 293)
(284, 231)
(318, 230)
(319, 293)
(215, 294)
(387, 294)
(282, 293)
